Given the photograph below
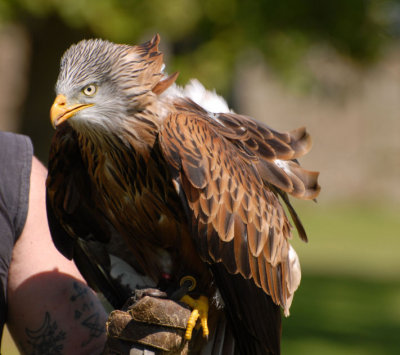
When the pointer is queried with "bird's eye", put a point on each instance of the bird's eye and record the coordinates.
(89, 90)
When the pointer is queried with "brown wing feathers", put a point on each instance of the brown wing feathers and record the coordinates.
(269, 146)
(231, 170)
(256, 141)
(239, 222)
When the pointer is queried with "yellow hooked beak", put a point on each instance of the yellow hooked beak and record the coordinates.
(60, 112)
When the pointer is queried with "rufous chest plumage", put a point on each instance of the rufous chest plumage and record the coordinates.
(136, 195)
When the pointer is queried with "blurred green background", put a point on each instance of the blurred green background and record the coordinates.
(330, 65)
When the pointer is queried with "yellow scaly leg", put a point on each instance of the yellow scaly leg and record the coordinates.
(200, 310)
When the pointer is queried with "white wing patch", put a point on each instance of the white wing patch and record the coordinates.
(194, 90)
(283, 165)
(209, 100)
(293, 277)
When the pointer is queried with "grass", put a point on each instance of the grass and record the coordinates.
(349, 298)
(343, 315)
(358, 239)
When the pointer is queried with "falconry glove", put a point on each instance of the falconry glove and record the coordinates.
(151, 325)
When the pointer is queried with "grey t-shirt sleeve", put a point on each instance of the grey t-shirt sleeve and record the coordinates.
(15, 169)
(16, 153)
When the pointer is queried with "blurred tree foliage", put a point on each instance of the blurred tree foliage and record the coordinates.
(206, 36)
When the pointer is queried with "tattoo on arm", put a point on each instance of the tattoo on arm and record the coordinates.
(86, 313)
(47, 339)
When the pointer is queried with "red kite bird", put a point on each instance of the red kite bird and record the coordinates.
(179, 187)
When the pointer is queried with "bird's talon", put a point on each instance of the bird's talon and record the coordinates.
(200, 310)
(204, 325)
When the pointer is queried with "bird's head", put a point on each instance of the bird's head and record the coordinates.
(104, 85)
